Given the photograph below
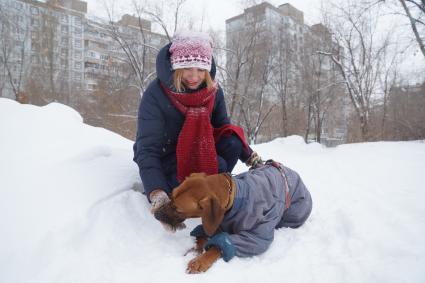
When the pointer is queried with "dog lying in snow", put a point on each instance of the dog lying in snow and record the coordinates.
(239, 213)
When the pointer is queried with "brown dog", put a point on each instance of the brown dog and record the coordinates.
(239, 213)
(207, 197)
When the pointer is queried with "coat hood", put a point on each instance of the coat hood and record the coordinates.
(164, 72)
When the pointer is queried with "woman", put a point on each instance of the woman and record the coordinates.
(183, 125)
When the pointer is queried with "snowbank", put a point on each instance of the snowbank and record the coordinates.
(69, 211)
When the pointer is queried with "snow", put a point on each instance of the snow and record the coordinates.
(70, 210)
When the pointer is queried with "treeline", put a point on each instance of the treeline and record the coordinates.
(341, 82)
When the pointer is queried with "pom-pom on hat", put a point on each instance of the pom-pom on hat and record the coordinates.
(190, 49)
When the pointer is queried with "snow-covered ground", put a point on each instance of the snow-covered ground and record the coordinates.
(70, 210)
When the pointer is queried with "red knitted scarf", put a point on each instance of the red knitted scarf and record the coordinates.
(195, 146)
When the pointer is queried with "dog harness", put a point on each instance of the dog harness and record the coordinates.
(279, 167)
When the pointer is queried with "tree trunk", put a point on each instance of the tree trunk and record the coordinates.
(307, 131)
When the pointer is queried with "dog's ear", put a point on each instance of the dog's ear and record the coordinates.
(212, 214)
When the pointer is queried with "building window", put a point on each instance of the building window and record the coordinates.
(34, 46)
(64, 52)
(64, 63)
(78, 55)
(56, 15)
(77, 30)
(77, 65)
(64, 29)
(64, 18)
(77, 21)
(19, 43)
(19, 6)
(77, 43)
(19, 19)
(77, 76)
(34, 22)
(91, 65)
(34, 35)
(34, 10)
(64, 41)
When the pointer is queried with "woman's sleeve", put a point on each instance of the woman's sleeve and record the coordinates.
(149, 144)
(219, 115)
(220, 118)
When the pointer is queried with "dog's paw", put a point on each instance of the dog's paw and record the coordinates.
(203, 262)
(197, 265)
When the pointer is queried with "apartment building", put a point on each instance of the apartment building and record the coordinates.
(42, 38)
(105, 58)
(268, 34)
(55, 45)
(273, 51)
(282, 21)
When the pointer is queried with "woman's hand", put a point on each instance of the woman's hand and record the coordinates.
(158, 199)
(254, 161)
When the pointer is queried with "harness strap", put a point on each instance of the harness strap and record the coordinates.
(279, 166)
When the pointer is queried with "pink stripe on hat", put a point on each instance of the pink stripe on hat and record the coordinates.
(191, 49)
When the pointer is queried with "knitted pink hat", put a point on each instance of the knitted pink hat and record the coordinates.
(191, 49)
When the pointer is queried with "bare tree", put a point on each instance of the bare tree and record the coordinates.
(285, 69)
(133, 42)
(248, 75)
(359, 56)
(157, 14)
(134, 36)
(406, 118)
(388, 80)
(129, 69)
(239, 65)
(415, 12)
(47, 76)
(254, 105)
(322, 84)
(13, 60)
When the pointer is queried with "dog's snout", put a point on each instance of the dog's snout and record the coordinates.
(168, 214)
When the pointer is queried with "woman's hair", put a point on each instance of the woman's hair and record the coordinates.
(178, 84)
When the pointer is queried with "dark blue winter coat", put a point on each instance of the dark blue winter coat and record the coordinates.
(159, 125)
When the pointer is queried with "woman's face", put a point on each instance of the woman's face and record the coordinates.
(193, 77)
